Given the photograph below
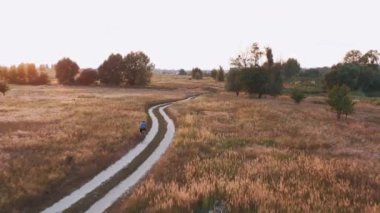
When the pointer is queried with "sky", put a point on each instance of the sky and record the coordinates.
(185, 33)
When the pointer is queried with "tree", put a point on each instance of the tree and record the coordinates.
(269, 55)
(43, 79)
(32, 74)
(233, 82)
(3, 87)
(274, 86)
(339, 100)
(22, 77)
(343, 74)
(214, 74)
(220, 74)
(3, 73)
(255, 80)
(182, 72)
(112, 69)
(196, 73)
(370, 58)
(291, 68)
(66, 70)
(12, 75)
(257, 53)
(138, 69)
(297, 96)
(250, 58)
(353, 57)
(87, 77)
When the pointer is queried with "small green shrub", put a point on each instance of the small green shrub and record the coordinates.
(297, 96)
(340, 101)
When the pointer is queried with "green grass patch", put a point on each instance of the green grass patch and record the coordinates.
(268, 143)
(232, 143)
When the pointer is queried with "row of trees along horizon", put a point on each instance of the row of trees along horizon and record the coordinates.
(357, 72)
(134, 69)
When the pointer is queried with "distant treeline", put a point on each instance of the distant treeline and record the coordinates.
(134, 69)
(25, 74)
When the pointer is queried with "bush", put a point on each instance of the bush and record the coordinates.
(255, 80)
(196, 73)
(233, 82)
(220, 74)
(66, 70)
(214, 74)
(297, 96)
(182, 72)
(340, 101)
(87, 77)
(3, 87)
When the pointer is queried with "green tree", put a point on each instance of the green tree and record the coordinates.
(3, 87)
(255, 80)
(339, 100)
(138, 69)
(66, 70)
(233, 82)
(343, 74)
(196, 73)
(291, 68)
(275, 84)
(214, 74)
(111, 70)
(182, 72)
(220, 74)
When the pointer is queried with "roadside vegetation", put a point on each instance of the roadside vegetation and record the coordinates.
(264, 155)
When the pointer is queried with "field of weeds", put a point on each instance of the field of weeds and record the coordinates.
(265, 155)
(54, 138)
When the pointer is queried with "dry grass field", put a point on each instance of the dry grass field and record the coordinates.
(267, 155)
(54, 138)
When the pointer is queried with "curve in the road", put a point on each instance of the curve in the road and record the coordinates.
(114, 194)
(103, 176)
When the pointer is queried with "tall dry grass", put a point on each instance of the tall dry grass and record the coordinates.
(53, 138)
(264, 155)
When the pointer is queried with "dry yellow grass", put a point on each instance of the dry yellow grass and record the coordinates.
(265, 155)
(53, 138)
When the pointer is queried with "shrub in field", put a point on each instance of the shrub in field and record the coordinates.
(196, 73)
(214, 73)
(233, 82)
(87, 77)
(3, 87)
(340, 101)
(297, 96)
(182, 72)
(255, 80)
(66, 70)
(138, 69)
(220, 74)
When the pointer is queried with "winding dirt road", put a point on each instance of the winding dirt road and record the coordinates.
(109, 185)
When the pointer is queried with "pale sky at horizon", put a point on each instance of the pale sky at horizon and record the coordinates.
(185, 34)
